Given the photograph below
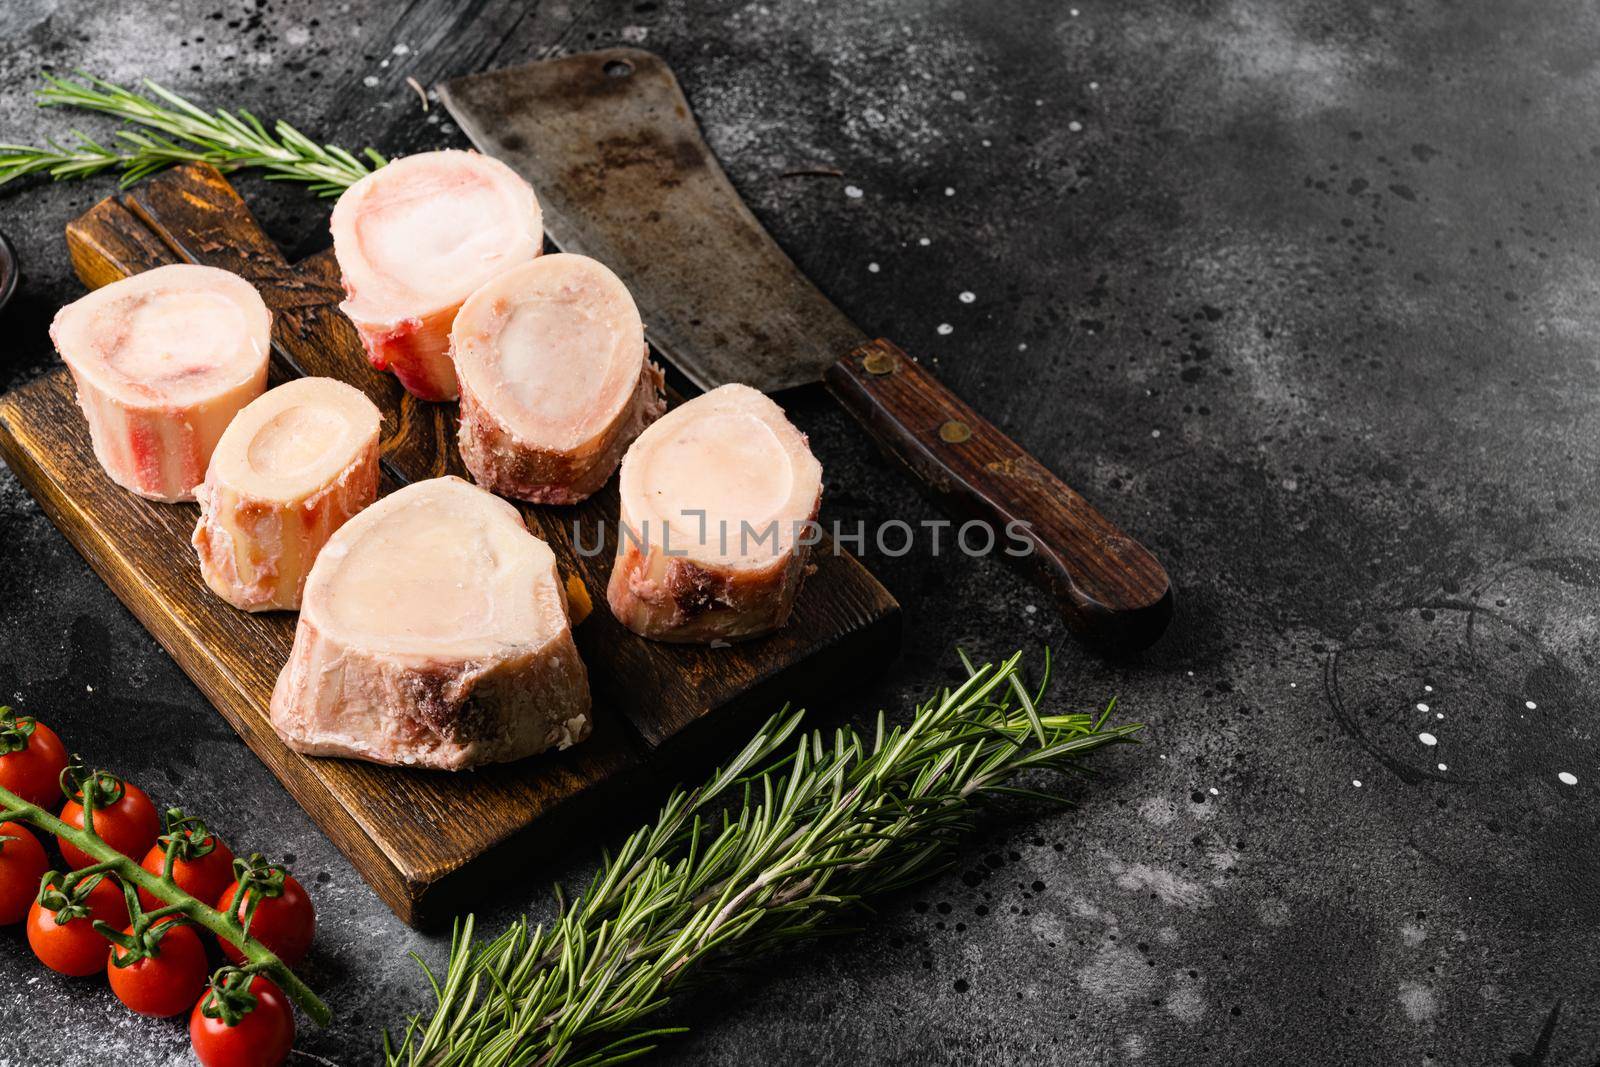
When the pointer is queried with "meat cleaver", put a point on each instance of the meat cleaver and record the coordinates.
(623, 175)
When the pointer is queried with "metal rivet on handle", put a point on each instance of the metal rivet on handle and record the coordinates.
(879, 362)
(954, 432)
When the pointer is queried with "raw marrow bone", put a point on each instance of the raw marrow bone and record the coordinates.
(433, 633)
(291, 468)
(719, 501)
(555, 379)
(413, 240)
(163, 361)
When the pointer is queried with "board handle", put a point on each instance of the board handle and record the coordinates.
(1109, 588)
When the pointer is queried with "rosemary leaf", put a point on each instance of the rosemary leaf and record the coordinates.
(177, 131)
(815, 827)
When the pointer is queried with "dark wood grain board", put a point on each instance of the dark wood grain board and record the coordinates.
(423, 839)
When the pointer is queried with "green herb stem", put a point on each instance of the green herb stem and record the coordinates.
(816, 825)
(177, 131)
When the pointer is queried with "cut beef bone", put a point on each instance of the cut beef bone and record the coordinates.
(413, 240)
(433, 633)
(556, 381)
(719, 499)
(291, 468)
(162, 362)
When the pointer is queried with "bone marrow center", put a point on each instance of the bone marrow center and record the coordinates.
(730, 466)
(419, 576)
(441, 226)
(175, 334)
(536, 349)
(294, 440)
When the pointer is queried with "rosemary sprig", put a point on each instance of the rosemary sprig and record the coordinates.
(818, 826)
(177, 131)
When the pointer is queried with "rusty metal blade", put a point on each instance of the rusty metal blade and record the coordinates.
(623, 175)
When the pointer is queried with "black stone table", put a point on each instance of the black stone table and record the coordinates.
(1305, 293)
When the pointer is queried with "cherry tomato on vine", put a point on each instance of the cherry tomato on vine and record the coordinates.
(204, 877)
(75, 947)
(22, 864)
(128, 823)
(284, 923)
(32, 758)
(261, 1037)
(165, 982)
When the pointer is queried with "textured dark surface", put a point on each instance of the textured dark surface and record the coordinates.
(1309, 304)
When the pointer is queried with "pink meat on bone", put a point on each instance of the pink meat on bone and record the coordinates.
(162, 362)
(555, 379)
(719, 499)
(292, 467)
(413, 240)
(433, 632)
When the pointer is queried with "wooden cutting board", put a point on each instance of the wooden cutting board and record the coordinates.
(424, 840)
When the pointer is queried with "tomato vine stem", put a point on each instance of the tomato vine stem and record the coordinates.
(262, 960)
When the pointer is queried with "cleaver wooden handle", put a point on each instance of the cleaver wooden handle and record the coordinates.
(1110, 589)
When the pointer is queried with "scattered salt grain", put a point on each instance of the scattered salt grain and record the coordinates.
(370, 81)
(1356, 782)
(873, 268)
(1568, 778)
(853, 192)
(1428, 739)
(1075, 126)
(945, 329)
(967, 297)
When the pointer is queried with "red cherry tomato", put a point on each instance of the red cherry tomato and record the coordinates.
(130, 826)
(284, 923)
(204, 878)
(261, 1039)
(108, 902)
(163, 984)
(76, 947)
(22, 864)
(33, 772)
